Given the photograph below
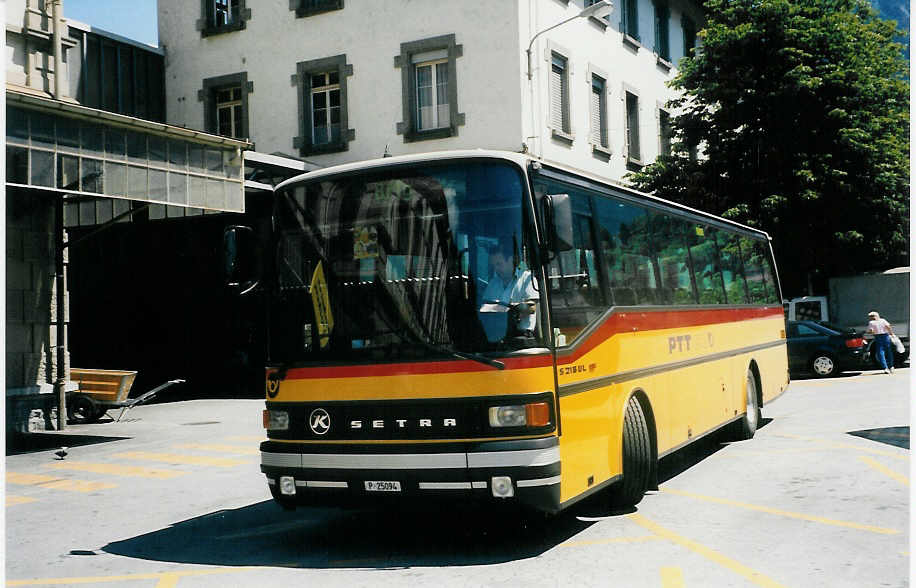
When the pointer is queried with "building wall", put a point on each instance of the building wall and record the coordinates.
(501, 107)
(370, 34)
(31, 305)
(627, 67)
(29, 51)
(111, 73)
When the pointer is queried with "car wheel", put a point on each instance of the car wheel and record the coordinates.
(823, 366)
(637, 458)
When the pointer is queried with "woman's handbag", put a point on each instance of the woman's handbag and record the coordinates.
(898, 344)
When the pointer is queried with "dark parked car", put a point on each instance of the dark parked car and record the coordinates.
(824, 350)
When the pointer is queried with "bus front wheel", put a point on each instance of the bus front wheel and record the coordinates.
(637, 458)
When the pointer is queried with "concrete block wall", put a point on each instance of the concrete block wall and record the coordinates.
(31, 309)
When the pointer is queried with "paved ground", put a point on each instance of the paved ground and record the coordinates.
(172, 496)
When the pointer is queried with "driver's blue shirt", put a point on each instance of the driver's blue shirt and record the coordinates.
(520, 289)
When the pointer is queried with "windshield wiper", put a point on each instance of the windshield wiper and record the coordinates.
(472, 356)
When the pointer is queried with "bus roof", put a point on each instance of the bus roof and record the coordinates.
(520, 159)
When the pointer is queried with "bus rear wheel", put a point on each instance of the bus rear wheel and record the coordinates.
(747, 426)
(637, 458)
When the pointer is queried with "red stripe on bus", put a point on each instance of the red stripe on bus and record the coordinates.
(624, 322)
(636, 321)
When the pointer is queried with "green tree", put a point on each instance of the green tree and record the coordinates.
(801, 112)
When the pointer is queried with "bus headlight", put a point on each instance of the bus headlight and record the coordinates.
(520, 415)
(276, 420)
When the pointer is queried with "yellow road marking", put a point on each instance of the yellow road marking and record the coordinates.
(29, 479)
(252, 438)
(783, 513)
(12, 499)
(166, 579)
(821, 446)
(672, 578)
(77, 485)
(885, 470)
(831, 445)
(242, 450)
(610, 540)
(55, 483)
(177, 458)
(115, 469)
(710, 554)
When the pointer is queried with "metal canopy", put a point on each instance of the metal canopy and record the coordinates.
(92, 154)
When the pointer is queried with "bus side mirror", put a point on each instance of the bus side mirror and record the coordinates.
(559, 222)
(239, 272)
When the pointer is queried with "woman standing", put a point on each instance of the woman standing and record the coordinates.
(882, 331)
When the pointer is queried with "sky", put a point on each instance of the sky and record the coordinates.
(134, 19)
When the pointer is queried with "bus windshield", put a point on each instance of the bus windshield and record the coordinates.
(405, 263)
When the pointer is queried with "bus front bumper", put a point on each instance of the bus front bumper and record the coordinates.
(525, 473)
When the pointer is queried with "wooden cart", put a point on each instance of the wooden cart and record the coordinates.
(101, 390)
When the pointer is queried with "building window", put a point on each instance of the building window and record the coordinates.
(325, 105)
(229, 111)
(690, 36)
(629, 19)
(225, 101)
(664, 132)
(558, 86)
(432, 95)
(632, 124)
(662, 16)
(598, 135)
(222, 16)
(429, 89)
(323, 117)
(313, 7)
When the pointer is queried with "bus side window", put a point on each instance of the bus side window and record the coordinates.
(668, 241)
(756, 270)
(704, 256)
(624, 238)
(732, 269)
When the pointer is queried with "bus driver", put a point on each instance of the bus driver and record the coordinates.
(510, 287)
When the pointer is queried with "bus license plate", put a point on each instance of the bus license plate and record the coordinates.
(375, 486)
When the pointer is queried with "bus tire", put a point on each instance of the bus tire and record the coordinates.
(747, 426)
(637, 458)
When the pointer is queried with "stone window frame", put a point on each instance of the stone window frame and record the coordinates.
(563, 135)
(637, 161)
(408, 127)
(302, 81)
(629, 23)
(662, 18)
(302, 10)
(206, 24)
(602, 151)
(207, 95)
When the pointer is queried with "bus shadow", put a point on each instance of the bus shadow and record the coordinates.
(676, 463)
(262, 534)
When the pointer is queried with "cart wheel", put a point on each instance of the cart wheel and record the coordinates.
(82, 409)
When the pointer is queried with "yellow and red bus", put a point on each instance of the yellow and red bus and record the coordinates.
(395, 373)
